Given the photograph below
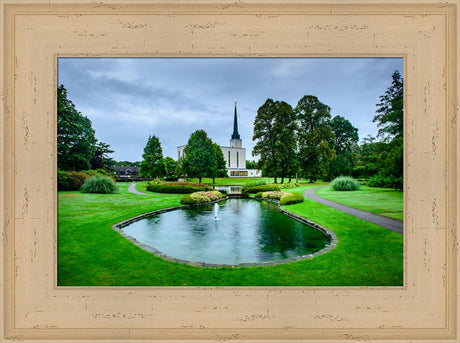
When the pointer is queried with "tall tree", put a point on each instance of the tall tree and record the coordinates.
(200, 156)
(170, 166)
(152, 164)
(390, 119)
(390, 111)
(285, 127)
(346, 139)
(76, 140)
(100, 159)
(315, 137)
(219, 168)
(266, 138)
(274, 133)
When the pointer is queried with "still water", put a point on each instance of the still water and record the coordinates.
(247, 231)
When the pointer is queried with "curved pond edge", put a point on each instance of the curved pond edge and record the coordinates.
(332, 244)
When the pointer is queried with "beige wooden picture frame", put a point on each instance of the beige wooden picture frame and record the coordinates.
(35, 33)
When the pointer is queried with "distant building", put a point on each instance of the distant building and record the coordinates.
(126, 171)
(235, 155)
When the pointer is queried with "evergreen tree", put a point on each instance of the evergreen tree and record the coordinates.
(170, 167)
(76, 140)
(219, 168)
(315, 137)
(152, 164)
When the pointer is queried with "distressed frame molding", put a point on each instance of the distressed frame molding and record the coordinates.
(35, 34)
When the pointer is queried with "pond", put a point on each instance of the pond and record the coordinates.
(246, 231)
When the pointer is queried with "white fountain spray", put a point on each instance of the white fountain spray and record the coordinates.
(216, 211)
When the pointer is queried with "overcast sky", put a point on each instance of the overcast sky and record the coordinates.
(128, 99)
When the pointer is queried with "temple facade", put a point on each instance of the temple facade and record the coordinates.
(234, 154)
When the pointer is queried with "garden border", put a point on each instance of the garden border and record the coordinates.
(333, 238)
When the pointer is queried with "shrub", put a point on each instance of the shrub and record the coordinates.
(99, 184)
(252, 184)
(70, 180)
(344, 183)
(261, 188)
(386, 182)
(177, 187)
(201, 197)
(274, 195)
(258, 195)
(291, 198)
(291, 184)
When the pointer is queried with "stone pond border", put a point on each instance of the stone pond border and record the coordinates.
(333, 238)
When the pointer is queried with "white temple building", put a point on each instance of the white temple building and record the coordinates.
(235, 155)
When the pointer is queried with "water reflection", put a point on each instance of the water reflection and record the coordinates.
(248, 231)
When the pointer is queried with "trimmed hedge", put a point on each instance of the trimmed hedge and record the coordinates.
(261, 188)
(385, 182)
(344, 183)
(252, 184)
(291, 198)
(201, 197)
(178, 187)
(99, 184)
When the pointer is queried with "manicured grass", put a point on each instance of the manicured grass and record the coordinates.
(384, 201)
(91, 253)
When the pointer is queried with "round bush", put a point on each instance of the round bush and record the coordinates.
(261, 188)
(201, 197)
(344, 183)
(99, 184)
(291, 198)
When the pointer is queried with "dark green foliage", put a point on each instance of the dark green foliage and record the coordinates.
(390, 112)
(252, 184)
(386, 182)
(315, 137)
(344, 183)
(71, 180)
(152, 164)
(170, 166)
(291, 198)
(76, 141)
(200, 156)
(177, 187)
(219, 168)
(187, 200)
(100, 159)
(251, 164)
(261, 188)
(275, 135)
(99, 184)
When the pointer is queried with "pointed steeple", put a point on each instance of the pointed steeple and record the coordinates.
(235, 134)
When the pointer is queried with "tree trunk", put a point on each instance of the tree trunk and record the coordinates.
(276, 181)
(290, 178)
(199, 178)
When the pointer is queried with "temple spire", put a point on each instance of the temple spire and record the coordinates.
(235, 134)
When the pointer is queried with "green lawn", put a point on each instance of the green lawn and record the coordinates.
(91, 253)
(383, 201)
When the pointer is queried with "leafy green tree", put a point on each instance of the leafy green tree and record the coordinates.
(266, 138)
(170, 166)
(76, 140)
(285, 127)
(346, 139)
(219, 168)
(152, 164)
(316, 140)
(390, 112)
(200, 156)
(390, 119)
(100, 159)
(251, 164)
(274, 133)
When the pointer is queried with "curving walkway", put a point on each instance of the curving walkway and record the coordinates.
(132, 189)
(386, 222)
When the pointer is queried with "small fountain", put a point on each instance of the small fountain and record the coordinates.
(216, 211)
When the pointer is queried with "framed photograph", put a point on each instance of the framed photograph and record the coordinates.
(40, 304)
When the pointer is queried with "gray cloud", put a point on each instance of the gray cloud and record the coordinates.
(129, 99)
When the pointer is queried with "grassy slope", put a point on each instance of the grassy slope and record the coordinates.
(383, 201)
(91, 253)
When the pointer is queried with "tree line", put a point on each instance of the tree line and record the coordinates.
(305, 141)
(202, 158)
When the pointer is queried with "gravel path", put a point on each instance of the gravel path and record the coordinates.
(386, 222)
(132, 189)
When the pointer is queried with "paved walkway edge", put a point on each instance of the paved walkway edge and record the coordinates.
(386, 222)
